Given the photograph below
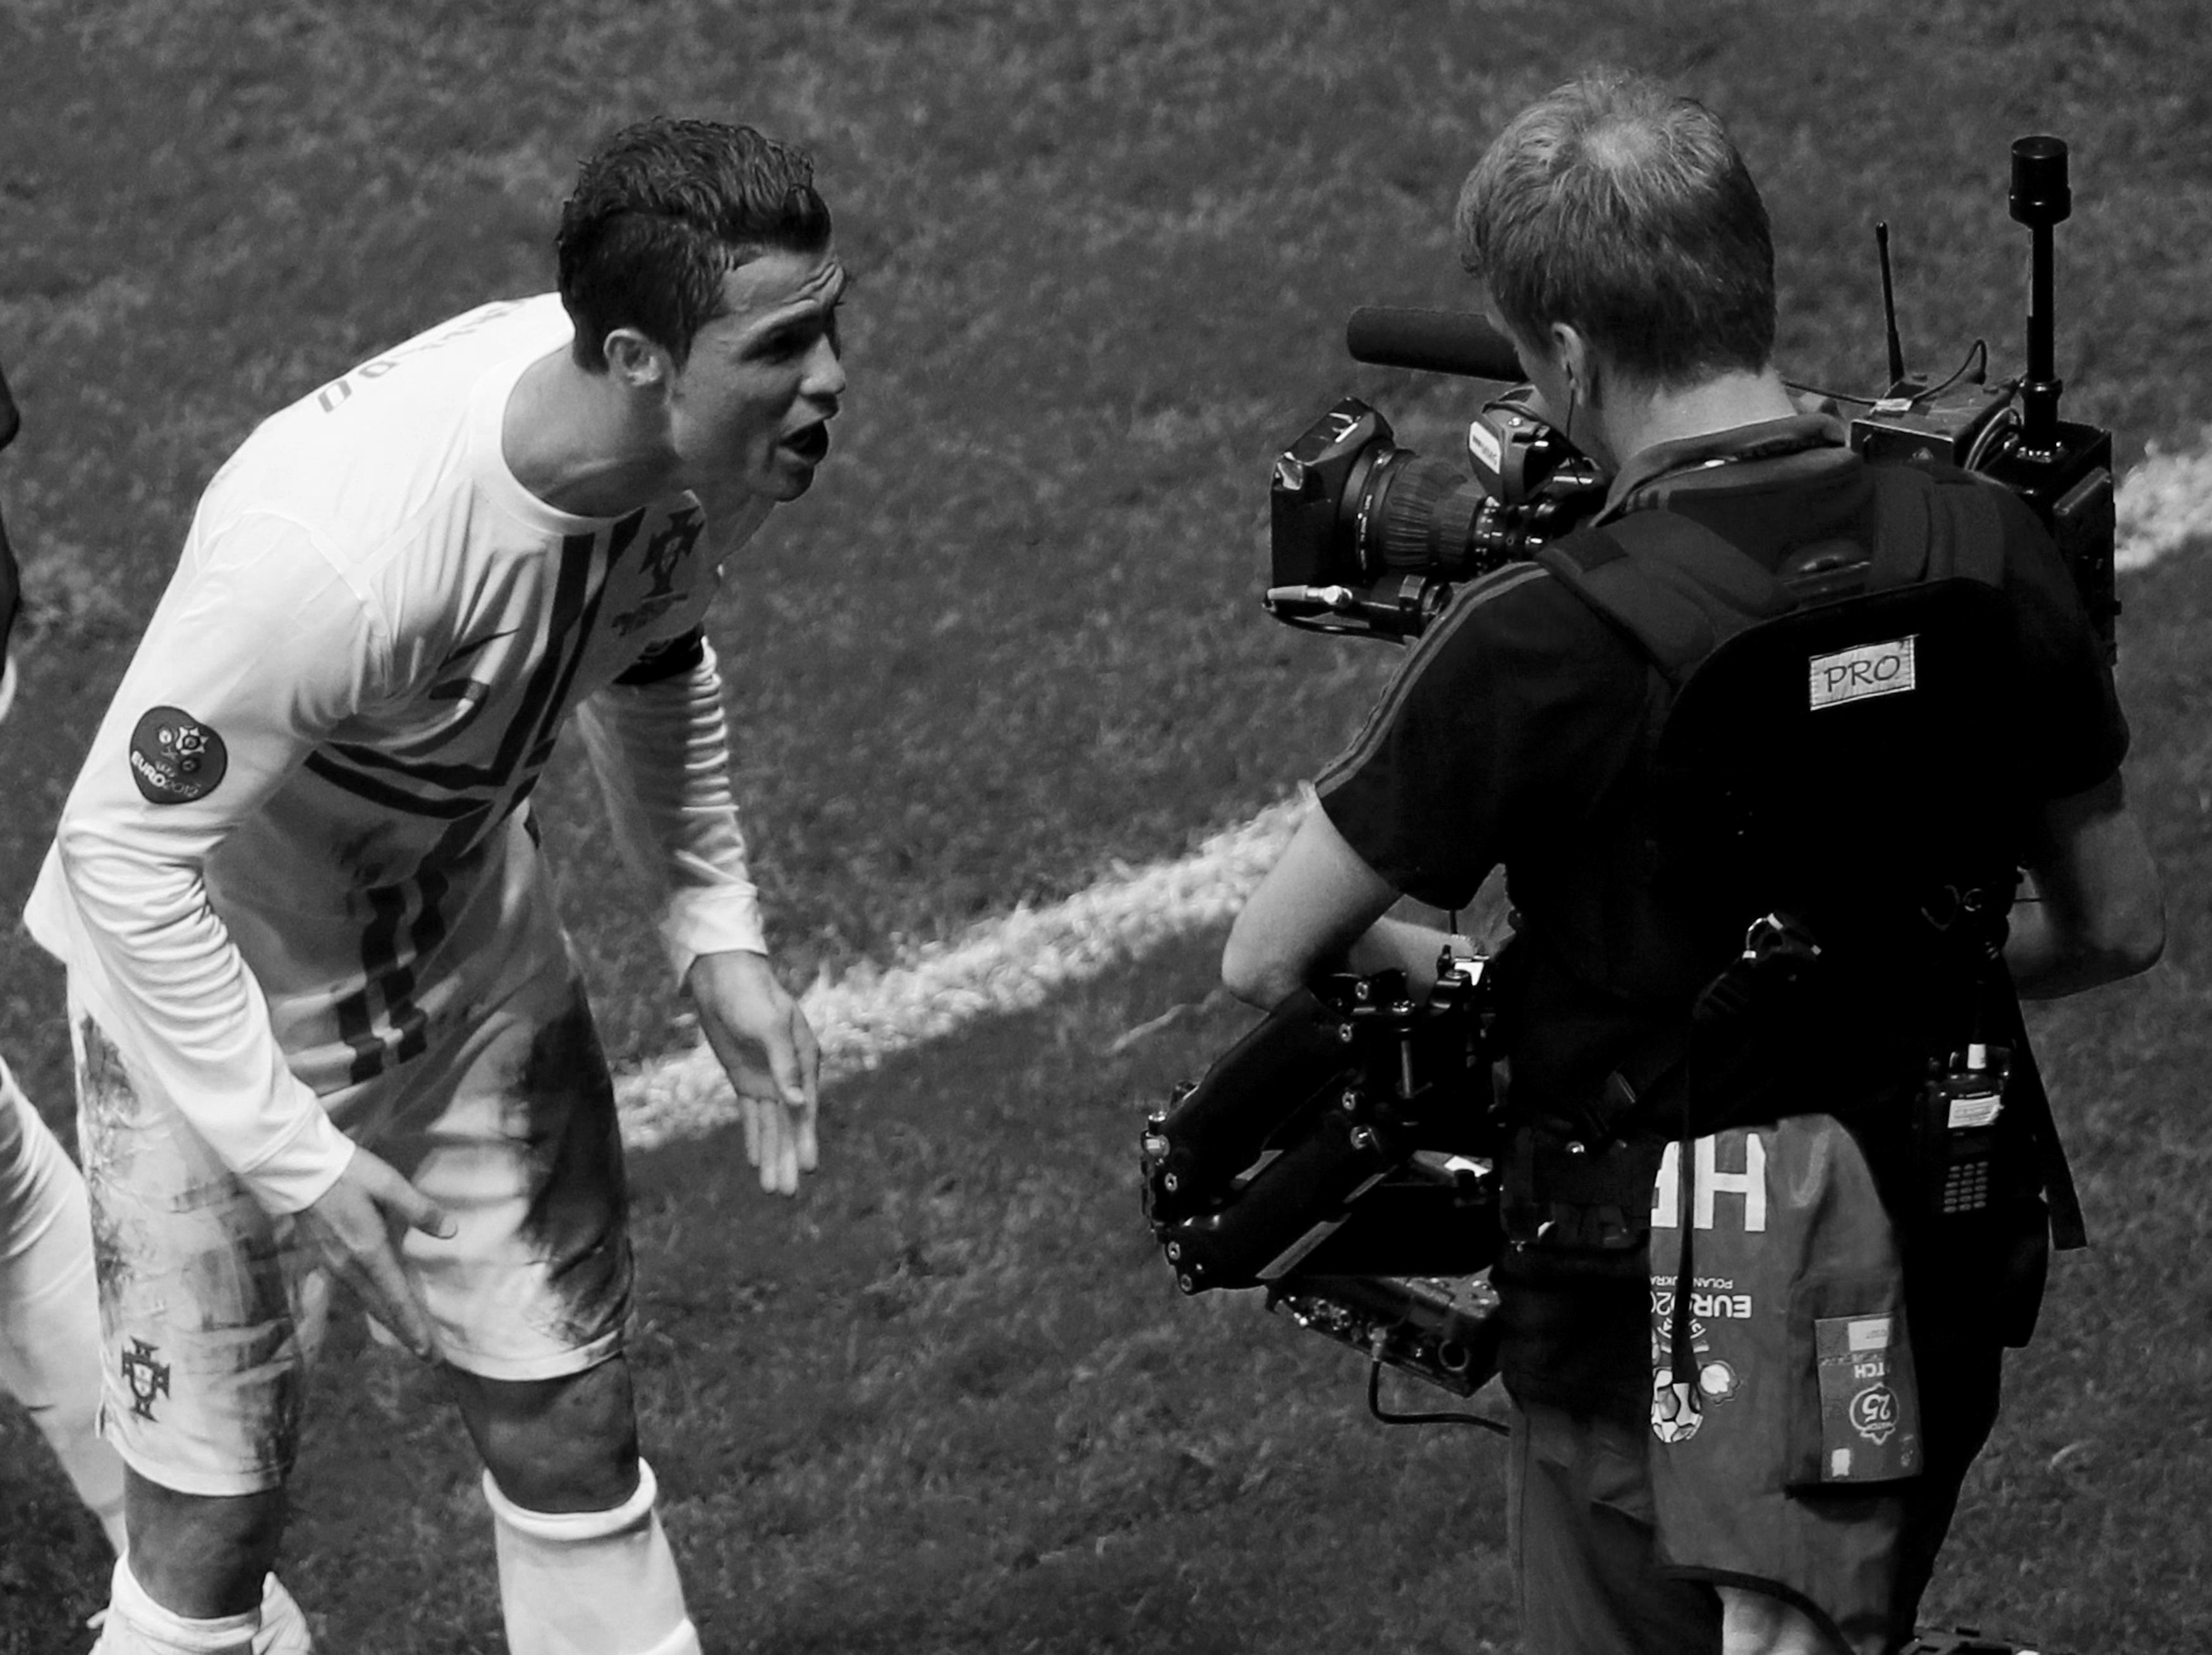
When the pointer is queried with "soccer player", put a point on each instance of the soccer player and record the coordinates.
(49, 1320)
(318, 995)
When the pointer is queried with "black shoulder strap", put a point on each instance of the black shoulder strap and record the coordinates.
(1934, 528)
(1683, 593)
(1679, 591)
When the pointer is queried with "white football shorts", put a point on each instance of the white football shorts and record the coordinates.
(507, 1121)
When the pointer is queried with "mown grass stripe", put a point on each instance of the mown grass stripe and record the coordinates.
(1017, 961)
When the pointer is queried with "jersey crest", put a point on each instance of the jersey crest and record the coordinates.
(664, 555)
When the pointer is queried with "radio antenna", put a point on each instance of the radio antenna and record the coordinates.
(1889, 306)
(2040, 200)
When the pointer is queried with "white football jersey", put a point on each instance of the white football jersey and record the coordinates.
(301, 837)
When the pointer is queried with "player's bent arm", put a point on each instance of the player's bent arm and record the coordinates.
(254, 650)
(1317, 901)
(2097, 915)
(658, 741)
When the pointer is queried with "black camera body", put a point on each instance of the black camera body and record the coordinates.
(1370, 539)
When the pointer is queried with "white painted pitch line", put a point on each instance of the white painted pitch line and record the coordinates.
(1019, 961)
(2164, 503)
(1001, 966)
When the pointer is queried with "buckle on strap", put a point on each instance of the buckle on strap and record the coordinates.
(1778, 948)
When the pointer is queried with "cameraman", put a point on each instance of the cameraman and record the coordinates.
(1620, 243)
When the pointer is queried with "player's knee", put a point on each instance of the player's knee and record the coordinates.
(202, 1555)
(568, 1477)
(564, 1444)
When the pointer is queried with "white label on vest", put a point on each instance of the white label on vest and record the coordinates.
(1872, 669)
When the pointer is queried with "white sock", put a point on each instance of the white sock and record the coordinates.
(283, 1629)
(136, 1624)
(589, 1583)
(50, 1306)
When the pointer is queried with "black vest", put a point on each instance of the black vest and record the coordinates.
(1833, 740)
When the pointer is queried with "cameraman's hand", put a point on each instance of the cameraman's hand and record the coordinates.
(349, 1230)
(767, 1048)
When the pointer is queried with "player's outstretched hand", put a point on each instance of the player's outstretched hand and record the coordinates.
(350, 1228)
(767, 1048)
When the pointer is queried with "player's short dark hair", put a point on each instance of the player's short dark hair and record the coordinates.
(661, 212)
(1615, 206)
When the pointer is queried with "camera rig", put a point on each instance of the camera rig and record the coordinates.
(1340, 1156)
(1369, 539)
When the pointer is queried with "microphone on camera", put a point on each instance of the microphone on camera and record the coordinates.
(1435, 341)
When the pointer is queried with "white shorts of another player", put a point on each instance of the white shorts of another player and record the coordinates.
(1022, 958)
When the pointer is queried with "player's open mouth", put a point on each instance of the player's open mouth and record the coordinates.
(808, 446)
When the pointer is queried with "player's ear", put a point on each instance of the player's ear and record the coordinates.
(636, 362)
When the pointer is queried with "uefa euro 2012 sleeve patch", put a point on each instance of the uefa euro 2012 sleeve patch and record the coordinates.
(175, 759)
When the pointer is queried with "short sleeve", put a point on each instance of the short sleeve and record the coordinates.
(2078, 734)
(1507, 723)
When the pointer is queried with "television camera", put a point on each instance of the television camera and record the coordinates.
(1370, 538)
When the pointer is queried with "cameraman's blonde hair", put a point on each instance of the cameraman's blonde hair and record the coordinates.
(1616, 206)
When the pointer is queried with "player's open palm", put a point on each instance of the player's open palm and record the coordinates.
(350, 1228)
(767, 1047)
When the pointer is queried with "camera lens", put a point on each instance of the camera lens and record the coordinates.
(1417, 516)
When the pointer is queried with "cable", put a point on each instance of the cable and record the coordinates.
(1975, 366)
(1375, 1405)
(1833, 396)
(1977, 363)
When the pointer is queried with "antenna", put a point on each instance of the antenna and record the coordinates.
(1889, 306)
(2040, 200)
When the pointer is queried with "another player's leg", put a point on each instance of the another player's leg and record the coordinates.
(202, 1370)
(48, 1306)
(529, 1300)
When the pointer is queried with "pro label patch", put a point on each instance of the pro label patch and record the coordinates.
(1871, 669)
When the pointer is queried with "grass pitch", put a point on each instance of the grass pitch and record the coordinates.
(948, 1401)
